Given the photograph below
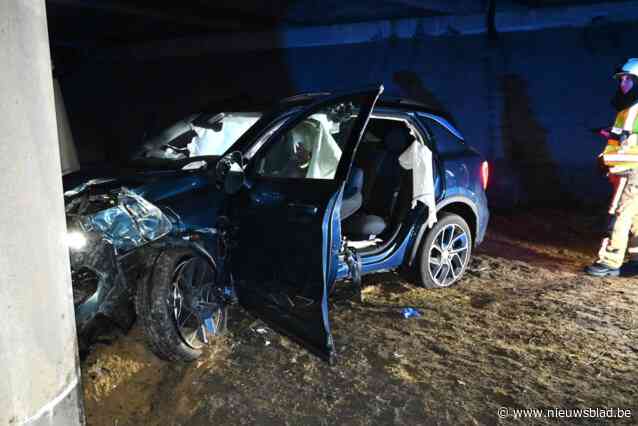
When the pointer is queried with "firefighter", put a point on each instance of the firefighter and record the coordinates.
(621, 156)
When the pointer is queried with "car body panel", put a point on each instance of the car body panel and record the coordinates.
(460, 174)
(463, 184)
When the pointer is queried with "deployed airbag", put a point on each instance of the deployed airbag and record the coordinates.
(418, 158)
(211, 142)
(325, 151)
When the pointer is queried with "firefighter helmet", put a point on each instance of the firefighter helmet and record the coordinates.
(630, 67)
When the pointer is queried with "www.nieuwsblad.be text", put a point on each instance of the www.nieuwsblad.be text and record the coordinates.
(564, 413)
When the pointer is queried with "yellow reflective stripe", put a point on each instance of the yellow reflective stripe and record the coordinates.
(631, 118)
(626, 120)
(620, 158)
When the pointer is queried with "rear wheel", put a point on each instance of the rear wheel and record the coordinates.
(180, 306)
(445, 252)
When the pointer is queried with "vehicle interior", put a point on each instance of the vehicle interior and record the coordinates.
(378, 194)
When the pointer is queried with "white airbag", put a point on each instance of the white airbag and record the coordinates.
(325, 151)
(210, 142)
(418, 158)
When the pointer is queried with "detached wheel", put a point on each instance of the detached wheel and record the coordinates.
(445, 252)
(179, 306)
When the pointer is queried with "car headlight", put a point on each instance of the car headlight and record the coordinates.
(75, 240)
(132, 223)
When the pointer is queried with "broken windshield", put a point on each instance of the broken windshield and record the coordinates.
(198, 135)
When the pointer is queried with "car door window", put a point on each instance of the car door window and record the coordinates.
(313, 148)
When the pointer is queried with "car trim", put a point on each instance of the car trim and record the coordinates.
(439, 207)
(443, 122)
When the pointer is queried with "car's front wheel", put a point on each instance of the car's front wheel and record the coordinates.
(444, 253)
(179, 306)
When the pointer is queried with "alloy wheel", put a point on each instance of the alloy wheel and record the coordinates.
(191, 298)
(448, 255)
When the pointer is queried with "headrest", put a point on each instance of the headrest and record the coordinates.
(397, 139)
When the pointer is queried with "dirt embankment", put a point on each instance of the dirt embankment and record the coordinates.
(524, 329)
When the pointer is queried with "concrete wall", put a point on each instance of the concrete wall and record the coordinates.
(38, 352)
(526, 101)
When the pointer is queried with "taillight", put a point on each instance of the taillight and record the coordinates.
(485, 174)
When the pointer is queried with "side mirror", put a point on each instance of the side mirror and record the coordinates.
(230, 172)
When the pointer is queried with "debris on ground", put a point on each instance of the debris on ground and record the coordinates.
(524, 329)
(410, 313)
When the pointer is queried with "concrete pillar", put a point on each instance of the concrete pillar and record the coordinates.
(38, 349)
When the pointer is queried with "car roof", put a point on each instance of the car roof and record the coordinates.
(385, 101)
(245, 102)
(391, 102)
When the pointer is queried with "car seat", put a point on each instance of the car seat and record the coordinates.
(385, 185)
(352, 197)
(381, 188)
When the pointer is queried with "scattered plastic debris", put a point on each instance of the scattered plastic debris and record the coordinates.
(267, 342)
(410, 313)
(397, 355)
(261, 330)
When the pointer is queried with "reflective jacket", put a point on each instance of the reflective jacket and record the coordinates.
(621, 152)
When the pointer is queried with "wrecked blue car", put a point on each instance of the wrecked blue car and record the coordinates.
(271, 208)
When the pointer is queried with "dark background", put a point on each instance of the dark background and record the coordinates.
(526, 97)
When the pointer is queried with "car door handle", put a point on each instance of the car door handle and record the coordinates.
(303, 209)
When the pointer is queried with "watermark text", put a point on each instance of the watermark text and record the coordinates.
(564, 413)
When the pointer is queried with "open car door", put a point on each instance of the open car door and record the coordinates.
(288, 216)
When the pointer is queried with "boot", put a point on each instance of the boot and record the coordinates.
(600, 269)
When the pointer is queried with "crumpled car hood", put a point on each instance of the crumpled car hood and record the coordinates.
(192, 196)
(154, 187)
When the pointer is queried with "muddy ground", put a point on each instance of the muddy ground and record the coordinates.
(524, 329)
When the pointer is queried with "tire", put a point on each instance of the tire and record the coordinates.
(450, 227)
(155, 304)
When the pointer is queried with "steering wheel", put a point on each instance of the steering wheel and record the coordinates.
(226, 162)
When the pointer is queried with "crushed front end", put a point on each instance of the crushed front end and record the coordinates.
(108, 237)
